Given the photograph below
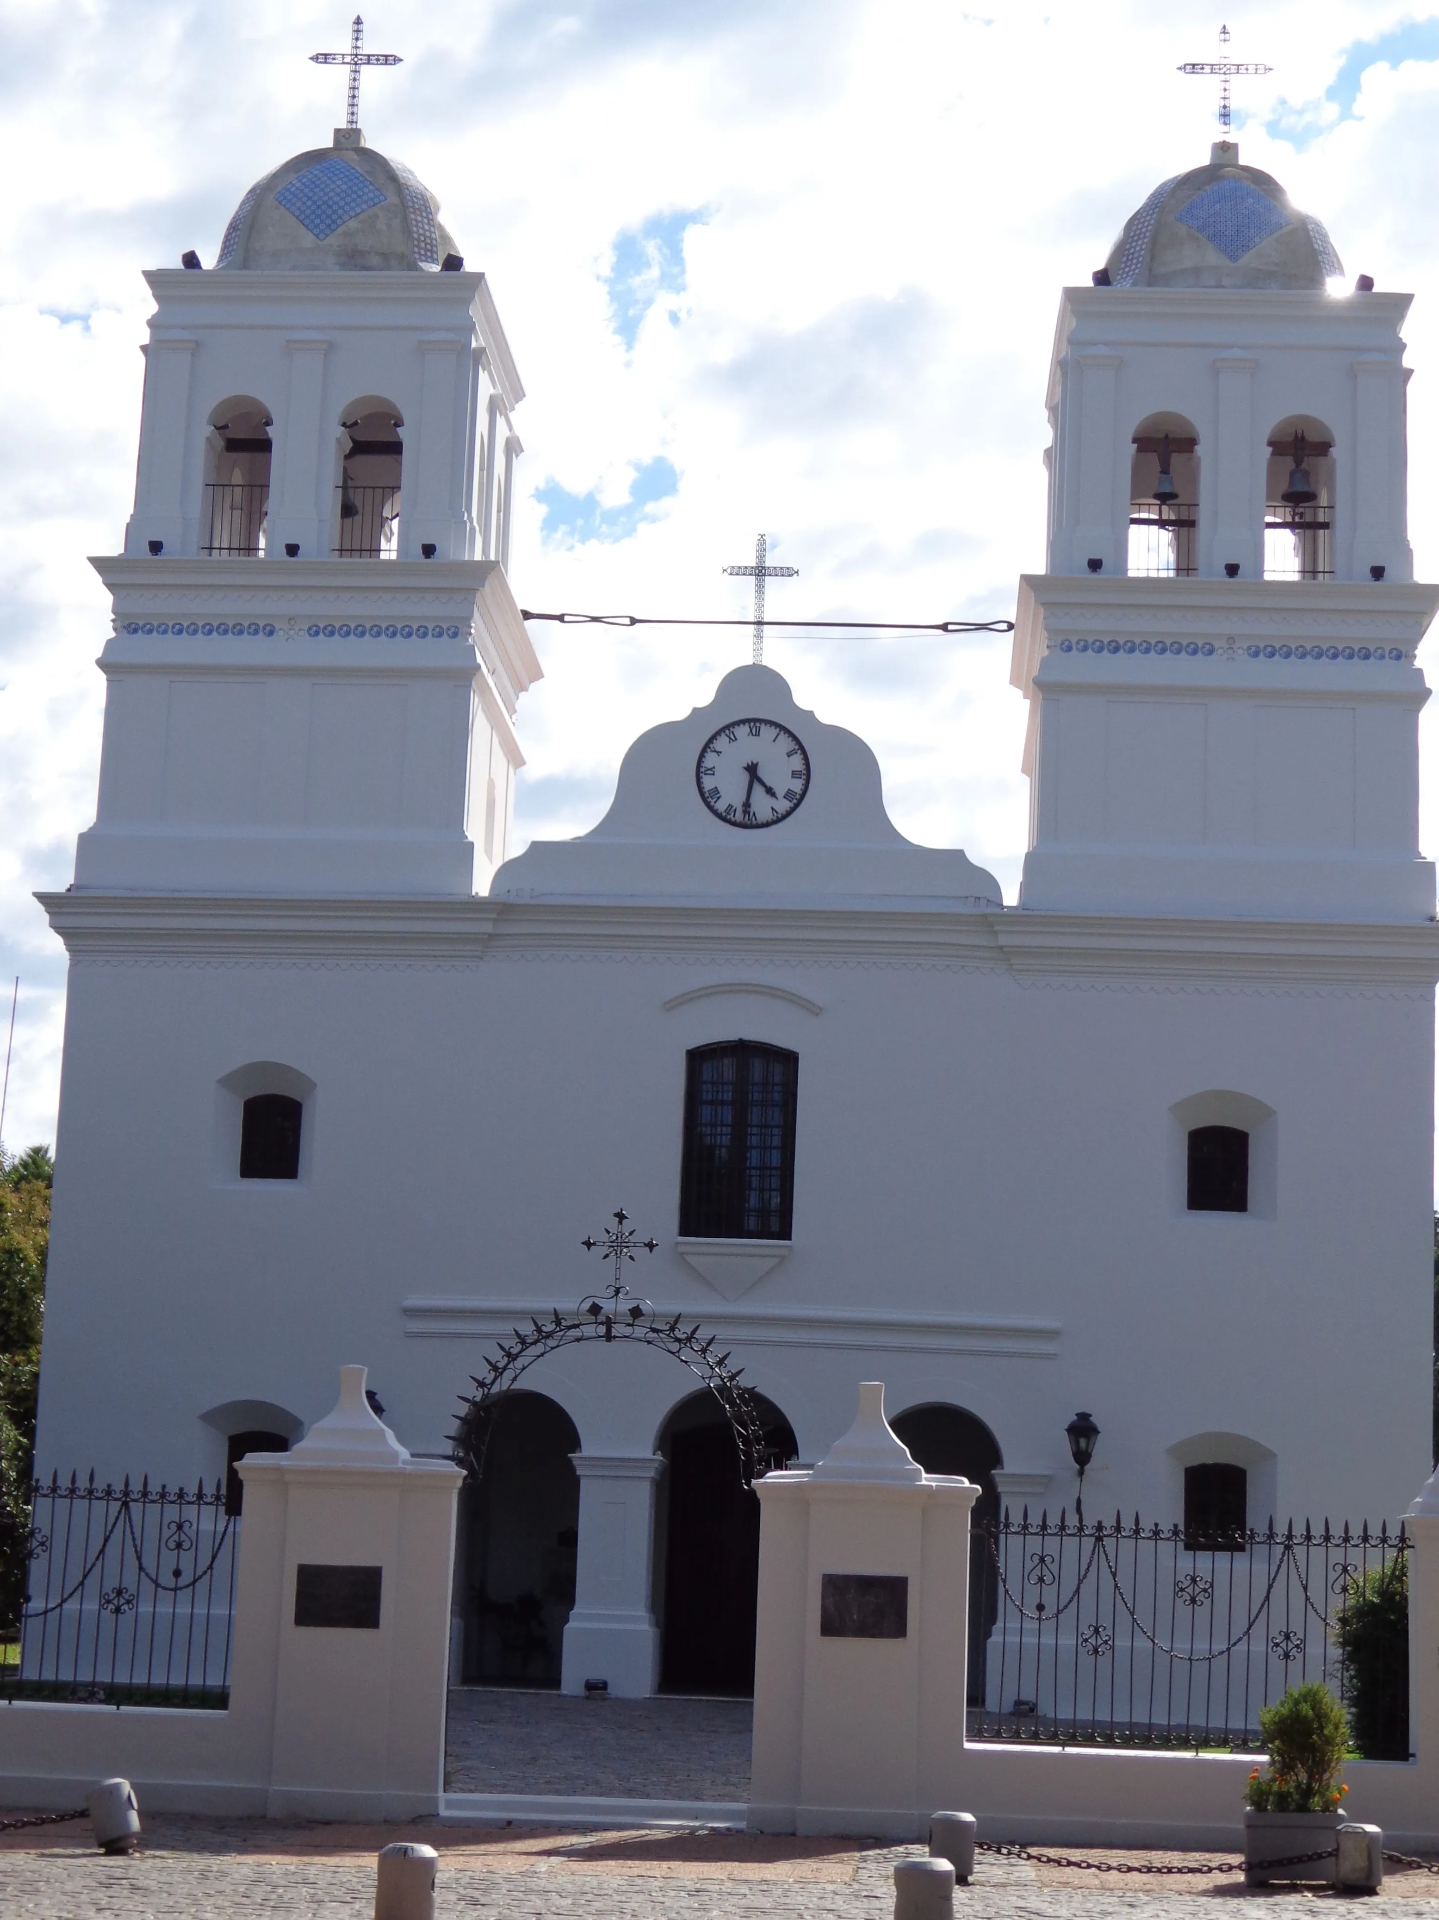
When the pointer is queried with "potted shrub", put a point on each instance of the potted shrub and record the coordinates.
(1293, 1805)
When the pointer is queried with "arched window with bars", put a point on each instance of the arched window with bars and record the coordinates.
(1299, 501)
(237, 485)
(1164, 498)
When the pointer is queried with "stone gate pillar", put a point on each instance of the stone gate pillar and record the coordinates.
(342, 1619)
(611, 1633)
(860, 1661)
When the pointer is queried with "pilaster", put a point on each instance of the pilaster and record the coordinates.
(611, 1634)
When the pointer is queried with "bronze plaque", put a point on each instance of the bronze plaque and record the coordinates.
(864, 1606)
(337, 1596)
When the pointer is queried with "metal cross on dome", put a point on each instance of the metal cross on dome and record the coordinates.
(759, 572)
(1224, 70)
(354, 60)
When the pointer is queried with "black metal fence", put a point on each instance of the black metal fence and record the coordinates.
(119, 1595)
(1115, 1634)
(235, 517)
(369, 522)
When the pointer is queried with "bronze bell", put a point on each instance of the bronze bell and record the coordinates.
(1165, 491)
(1299, 493)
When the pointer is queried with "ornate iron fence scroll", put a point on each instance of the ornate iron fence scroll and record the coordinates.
(612, 1315)
(1112, 1633)
(125, 1595)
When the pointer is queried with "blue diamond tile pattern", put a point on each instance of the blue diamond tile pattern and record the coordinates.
(1141, 227)
(421, 216)
(1233, 216)
(231, 240)
(1330, 265)
(325, 196)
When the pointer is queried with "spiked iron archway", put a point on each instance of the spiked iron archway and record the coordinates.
(614, 1314)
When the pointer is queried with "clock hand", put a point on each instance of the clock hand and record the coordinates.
(753, 771)
(766, 785)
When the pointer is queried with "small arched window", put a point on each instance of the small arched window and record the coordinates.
(1164, 498)
(270, 1137)
(1216, 1507)
(237, 1445)
(371, 454)
(737, 1174)
(1218, 1170)
(237, 493)
(1299, 501)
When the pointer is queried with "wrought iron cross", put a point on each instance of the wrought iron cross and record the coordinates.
(759, 572)
(354, 60)
(619, 1242)
(1224, 70)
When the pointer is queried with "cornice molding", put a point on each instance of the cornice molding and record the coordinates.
(1031, 947)
(458, 1317)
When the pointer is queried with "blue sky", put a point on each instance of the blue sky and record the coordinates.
(791, 269)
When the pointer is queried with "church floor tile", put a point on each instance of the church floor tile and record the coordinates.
(502, 1740)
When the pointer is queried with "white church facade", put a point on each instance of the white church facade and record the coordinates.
(343, 1081)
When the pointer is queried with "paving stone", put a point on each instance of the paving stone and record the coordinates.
(503, 1740)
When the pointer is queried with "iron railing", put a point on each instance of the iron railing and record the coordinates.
(369, 522)
(1117, 1634)
(119, 1595)
(1297, 542)
(235, 519)
(1162, 538)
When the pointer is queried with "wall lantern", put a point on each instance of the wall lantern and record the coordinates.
(1083, 1433)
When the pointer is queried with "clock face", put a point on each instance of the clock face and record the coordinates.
(752, 773)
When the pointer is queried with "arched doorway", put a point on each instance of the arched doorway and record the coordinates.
(945, 1439)
(520, 1523)
(707, 1546)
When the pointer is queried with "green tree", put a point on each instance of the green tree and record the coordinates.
(25, 1182)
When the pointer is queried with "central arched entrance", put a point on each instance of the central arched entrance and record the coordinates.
(947, 1439)
(518, 1538)
(707, 1546)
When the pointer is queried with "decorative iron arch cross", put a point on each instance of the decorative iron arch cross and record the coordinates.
(354, 60)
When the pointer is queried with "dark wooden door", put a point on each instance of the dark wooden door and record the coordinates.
(712, 1570)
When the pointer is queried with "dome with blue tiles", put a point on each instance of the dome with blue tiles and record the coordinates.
(1223, 225)
(338, 209)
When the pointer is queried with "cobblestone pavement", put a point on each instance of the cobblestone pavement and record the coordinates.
(503, 1740)
(192, 1869)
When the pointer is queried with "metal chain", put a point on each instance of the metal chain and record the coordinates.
(1408, 1860)
(44, 1819)
(1129, 1866)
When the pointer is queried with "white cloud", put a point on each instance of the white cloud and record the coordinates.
(893, 193)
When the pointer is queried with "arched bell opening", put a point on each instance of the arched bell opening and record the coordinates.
(951, 1440)
(1299, 500)
(1164, 498)
(519, 1532)
(367, 494)
(706, 1565)
(237, 478)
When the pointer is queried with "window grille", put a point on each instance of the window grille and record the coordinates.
(1218, 1170)
(1216, 1507)
(270, 1137)
(737, 1179)
(1297, 542)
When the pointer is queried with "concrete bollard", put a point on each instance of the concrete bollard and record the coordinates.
(1359, 1867)
(114, 1816)
(405, 1876)
(951, 1838)
(923, 1890)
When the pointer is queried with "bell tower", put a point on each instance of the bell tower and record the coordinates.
(316, 657)
(1219, 658)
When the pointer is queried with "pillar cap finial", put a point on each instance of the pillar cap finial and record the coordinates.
(871, 1450)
